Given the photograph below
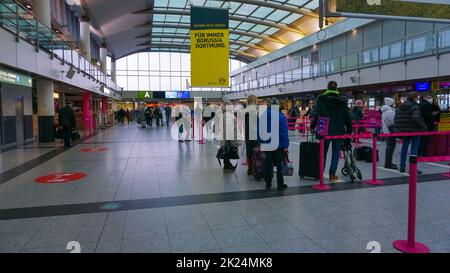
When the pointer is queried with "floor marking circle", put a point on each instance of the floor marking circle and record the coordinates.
(56, 178)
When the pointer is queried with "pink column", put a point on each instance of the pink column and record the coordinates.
(88, 124)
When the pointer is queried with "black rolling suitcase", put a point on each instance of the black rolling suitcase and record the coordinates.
(309, 160)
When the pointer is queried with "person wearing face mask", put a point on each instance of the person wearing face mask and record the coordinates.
(387, 119)
(426, 108)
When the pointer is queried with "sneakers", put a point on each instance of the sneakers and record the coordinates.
(402, 169)
(333, 177)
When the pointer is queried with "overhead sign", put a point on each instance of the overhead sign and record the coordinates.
(144, 95)
(12, 77)
(209, 47)
(417, 10)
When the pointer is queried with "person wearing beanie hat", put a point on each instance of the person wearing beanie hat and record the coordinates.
(387, 120)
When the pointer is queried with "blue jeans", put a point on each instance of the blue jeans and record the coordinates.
(336, 149)
(415, 145)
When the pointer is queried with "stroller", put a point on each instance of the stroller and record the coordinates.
(350, 168)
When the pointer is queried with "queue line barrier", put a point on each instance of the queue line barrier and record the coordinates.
(373, 181)
(410, 245)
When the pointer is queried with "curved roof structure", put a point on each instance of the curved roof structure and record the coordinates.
(257, 27)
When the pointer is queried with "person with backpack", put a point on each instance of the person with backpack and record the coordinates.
(408, 119)
(334, 107)
(387, 120)
(275, 157)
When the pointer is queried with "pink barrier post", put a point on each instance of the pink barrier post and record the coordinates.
(321, 186)
(410, 245)
(374, 180)
(357, 135)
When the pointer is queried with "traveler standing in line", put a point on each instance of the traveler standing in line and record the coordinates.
(128, 115)
(168, 112)
(333, 106)
(357, 114)
(229, 121)
(66, 120)
(276, 157)
(250, 131)
(387, 120)
(426, 109)
(408, 119)
(148, 116)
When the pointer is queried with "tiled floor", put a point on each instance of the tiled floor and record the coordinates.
(145, 164)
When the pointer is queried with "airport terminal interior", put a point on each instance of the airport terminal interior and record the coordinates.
(142, 126)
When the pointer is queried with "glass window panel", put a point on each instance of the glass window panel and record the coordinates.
(233, 24)
(133, 83)
(175, 62)
(291, 18)
(161, 3)
(144, 83)
(178, 3)
(246, 9)
(262, 12)
(122, 82)
(154, 61)
(158, 17)
(132, 62)
(259, 28)
(271, 31)
(246, 26)
(312, 5)
(175, 83)
(143, 61)
(154, 83)
(164, 61)
(277, 15)
(173, 18)
(165, 83)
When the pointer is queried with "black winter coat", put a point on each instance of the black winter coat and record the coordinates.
(408, 118)
(66, 117)
(335, 108)
(426, 109)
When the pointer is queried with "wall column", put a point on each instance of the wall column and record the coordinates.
(103, 58)
(46, 110)
(113, 71)
(88, 123)
(42, 11)
(85, 37)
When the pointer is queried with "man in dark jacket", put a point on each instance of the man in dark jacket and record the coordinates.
(66, 120)
(426, 108)
(333, 106)
(408, 119)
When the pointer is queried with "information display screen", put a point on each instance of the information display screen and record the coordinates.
(159, 95)
(422, 86)
(183, 95)
(171, 95)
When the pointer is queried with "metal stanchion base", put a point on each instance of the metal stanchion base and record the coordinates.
(402, 245)
(374, 182)
(321, 187)
(201, 142)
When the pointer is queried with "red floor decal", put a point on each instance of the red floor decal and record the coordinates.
(94, 150)
(60, 178)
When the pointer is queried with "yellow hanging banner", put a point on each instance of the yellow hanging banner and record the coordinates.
(209, 47)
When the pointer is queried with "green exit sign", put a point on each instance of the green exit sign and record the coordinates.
(12, 77)
(145, 95)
